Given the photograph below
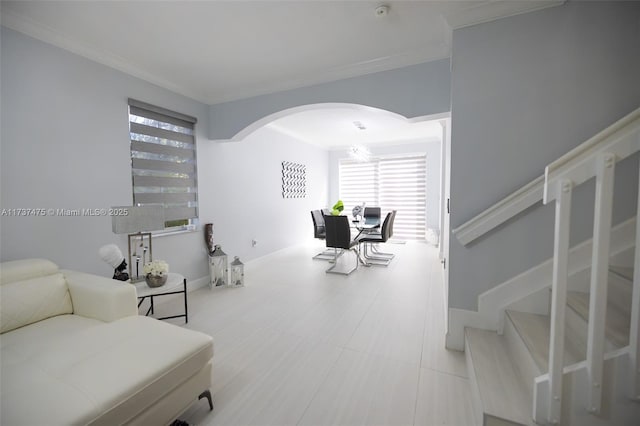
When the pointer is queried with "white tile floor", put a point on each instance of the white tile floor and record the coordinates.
(296, 346)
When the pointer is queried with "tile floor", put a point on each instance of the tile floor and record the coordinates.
(296, 346)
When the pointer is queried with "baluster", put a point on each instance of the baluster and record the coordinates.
(634, 337)
(559, 298)
(605, 167)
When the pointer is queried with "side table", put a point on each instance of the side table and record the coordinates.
(175, 284)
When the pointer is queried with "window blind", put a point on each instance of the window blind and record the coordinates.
(163, 161)
(393, 183)
(403, 188)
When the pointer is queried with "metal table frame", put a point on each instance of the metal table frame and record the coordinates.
(160, 291)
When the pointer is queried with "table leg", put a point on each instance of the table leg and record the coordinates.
(186, 309)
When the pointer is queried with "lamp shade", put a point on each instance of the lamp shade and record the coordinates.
(138, 219)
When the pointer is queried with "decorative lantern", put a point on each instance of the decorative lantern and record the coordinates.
(237, 273)
(218, 267)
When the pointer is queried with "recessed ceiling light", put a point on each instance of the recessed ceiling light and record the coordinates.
(382, 10)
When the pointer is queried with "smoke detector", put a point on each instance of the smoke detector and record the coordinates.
(382, 11)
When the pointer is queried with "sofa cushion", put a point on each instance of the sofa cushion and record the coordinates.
(32, 300)
(18, 270)
(107, 373)
(26, 342)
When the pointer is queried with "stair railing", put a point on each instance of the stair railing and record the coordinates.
(597, 158)
(500, 212)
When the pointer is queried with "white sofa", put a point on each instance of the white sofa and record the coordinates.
(73, 350)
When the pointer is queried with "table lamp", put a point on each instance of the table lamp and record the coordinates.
(138, 224)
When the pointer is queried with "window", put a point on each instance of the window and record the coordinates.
(163, 162)
(393, 183)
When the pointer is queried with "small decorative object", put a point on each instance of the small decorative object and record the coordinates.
(294, 180)
(138, 222)
(357, 211)
(237, 273)
(337, 208)
(155, 273)
(218, 267)
(208, 237)
(111, 254)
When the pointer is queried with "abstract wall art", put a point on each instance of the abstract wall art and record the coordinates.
(294, 180)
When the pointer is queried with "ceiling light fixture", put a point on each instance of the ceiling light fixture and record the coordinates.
(359, 153)
(382, 10)
(359, 125)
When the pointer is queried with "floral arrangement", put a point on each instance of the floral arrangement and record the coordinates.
(337, 208)
(157, 267)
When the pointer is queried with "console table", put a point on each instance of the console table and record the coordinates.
(175, 284)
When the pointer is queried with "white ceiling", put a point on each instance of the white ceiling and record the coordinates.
(341, 126)
(217, 51)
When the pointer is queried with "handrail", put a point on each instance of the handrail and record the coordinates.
(619, 139)
(536, 190)
(595, 158)
(501, 211)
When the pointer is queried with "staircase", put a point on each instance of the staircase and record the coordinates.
(503, 367)
(577, 362)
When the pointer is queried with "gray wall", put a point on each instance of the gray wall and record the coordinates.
(429, 147)
(412, 91)
(525, 90)
(65, 144)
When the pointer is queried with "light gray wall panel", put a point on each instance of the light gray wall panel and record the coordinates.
(412, 91)
(525, 90)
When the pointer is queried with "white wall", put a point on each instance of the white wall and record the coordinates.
(246, 178)
(429, 147)
(65, 144)
(525, 90)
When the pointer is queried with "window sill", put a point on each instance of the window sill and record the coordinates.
(157, 234)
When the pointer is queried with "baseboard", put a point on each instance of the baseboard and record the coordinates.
(197, 283)
(458, 320)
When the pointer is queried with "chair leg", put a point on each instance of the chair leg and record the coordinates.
(375, 260)
(332, 269)
(328, 254)
(207, 394)
(374, 249)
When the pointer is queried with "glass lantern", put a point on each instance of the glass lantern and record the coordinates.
(237, 273)
(218, 268)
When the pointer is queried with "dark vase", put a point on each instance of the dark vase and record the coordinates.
(155, 280)
(208, 237)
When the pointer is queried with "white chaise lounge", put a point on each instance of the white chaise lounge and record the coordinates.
(73, 351)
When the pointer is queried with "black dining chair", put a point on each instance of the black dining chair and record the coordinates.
(319, 232)
(338, 236)
(374, 248)
(382, 259)
(372, 215)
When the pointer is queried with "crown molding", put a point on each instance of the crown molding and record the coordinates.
(48, 35)
(491, 10)
(51, 36)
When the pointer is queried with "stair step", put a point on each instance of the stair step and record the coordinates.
(618, 315)
(617, 319)
(623, 271)
(503, 393)
(534, 329)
